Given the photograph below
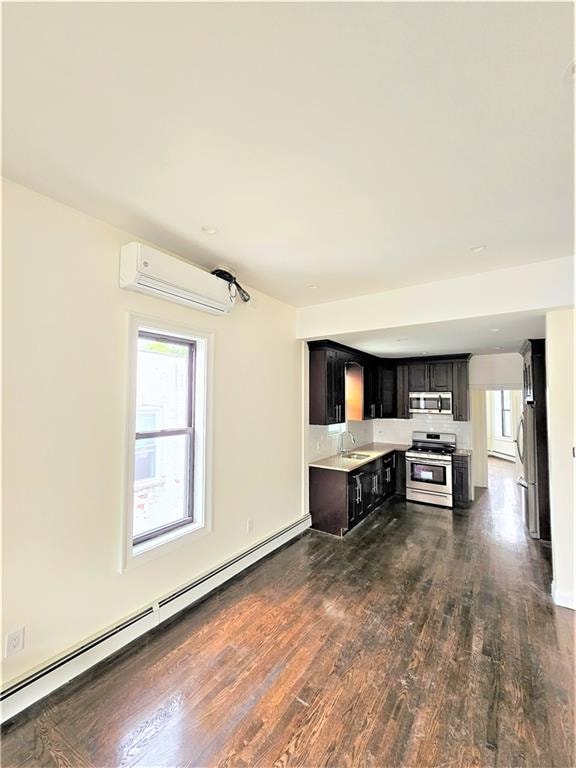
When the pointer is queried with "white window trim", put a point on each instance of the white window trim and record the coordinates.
(132, 556)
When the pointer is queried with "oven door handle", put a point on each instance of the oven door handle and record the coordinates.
(430, 463)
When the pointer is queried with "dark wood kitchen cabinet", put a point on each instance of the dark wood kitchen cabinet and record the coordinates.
(440, 375)
(386, 405)
(389, 475)
(400, 473)
(379, 390)
(370, 389)
(327, 373)
(402, 392)
(461, 479)
(418, 380)
(387, 383)
(430, 377)
(341, 500)
(460, 391)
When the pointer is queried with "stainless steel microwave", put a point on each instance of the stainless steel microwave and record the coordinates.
(430, 402)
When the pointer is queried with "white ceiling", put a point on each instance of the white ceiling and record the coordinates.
(357, 147)
(473, 335)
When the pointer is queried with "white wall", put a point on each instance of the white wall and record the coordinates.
(479, 438)
(64, 398)
(496, 371)
(561, 380)
(543, 285)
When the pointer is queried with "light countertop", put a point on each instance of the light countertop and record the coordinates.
(372, 450)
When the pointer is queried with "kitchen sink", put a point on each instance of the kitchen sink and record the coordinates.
(356, 455)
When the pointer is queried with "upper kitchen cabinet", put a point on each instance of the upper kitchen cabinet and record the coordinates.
(402, 391)
(441, 377)
(418, 379)
(446, 374)
(370, 388)
(379, 389)
(386, 390)
(430, 377)
(327, 396)
(460, 391)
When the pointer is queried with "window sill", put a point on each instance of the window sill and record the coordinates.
(163, 544)
(164, 538)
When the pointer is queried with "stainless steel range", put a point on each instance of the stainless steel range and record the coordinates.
(429, 468)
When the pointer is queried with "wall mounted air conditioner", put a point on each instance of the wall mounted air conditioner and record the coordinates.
(147, 270)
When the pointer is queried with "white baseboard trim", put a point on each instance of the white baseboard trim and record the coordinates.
(563, 599)
(27, 691)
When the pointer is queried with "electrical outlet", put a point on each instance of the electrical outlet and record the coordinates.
(14, 642)
(249, 525)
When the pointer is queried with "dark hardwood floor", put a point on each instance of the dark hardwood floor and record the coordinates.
(426, 637)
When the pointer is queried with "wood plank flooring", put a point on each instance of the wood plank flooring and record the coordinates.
(426, 637)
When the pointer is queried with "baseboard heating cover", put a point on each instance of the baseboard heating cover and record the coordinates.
(23, 693)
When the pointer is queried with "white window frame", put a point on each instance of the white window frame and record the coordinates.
(131, 554)
(500, 410)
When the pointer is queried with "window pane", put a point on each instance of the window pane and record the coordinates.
(506, 424)
(506, 399)
(162, 385)
(161, 481)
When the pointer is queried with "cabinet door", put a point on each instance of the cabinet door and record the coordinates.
(418, 380)
(461, 480)
(370, 390)
(354, 503)
(440, 377)
(402, 399)
(400, 473)
(389, 479)
(460, 392)
(386, 392)
(368, 492)
(331, 398)
(339, 386)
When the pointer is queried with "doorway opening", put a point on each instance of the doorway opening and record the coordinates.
(503, 417)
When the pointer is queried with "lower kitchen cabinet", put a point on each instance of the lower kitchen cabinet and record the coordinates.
(340, 500)
(400, 459)
(461, 479)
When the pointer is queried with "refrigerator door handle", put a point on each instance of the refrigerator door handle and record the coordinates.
(517, 441)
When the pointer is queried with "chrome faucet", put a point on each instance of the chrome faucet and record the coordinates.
(346, 432)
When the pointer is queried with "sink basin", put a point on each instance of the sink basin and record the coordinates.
(356, 455)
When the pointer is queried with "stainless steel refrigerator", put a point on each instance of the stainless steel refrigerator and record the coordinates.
(525, 444)
(532, 442)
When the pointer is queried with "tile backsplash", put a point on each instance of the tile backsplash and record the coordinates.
(400, 430)
(325, 441)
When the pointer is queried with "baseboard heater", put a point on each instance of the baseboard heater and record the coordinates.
(30, 689)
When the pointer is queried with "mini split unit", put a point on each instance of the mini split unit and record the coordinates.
(147, 270)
